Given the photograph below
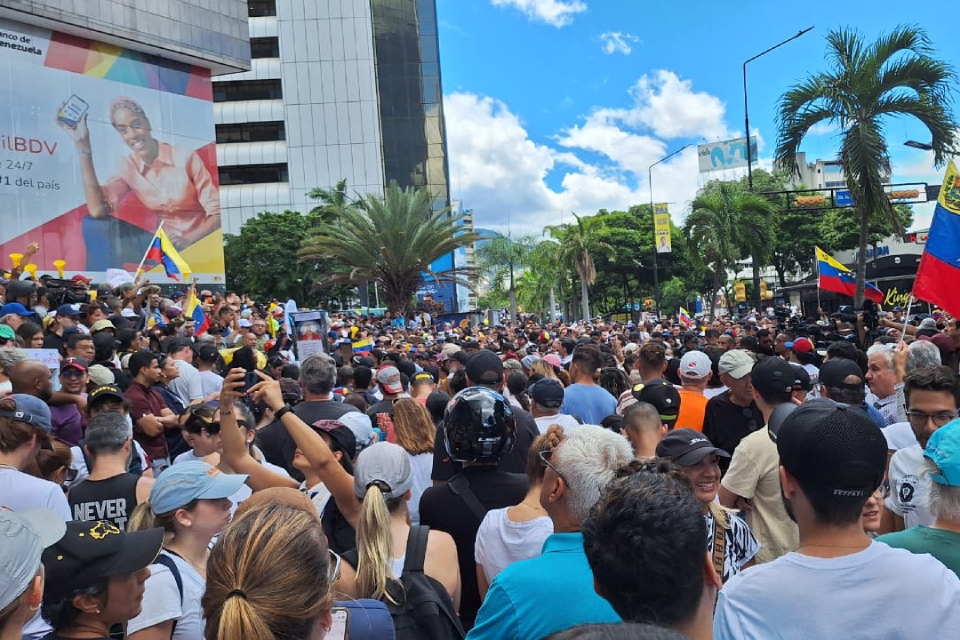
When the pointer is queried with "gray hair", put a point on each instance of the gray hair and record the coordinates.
(943, 501)
(107, 433)
(885, 350)
(318, 373)
(9, 358)
(923, 354)
(588, 460)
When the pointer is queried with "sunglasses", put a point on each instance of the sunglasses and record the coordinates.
(73, 373)
(334, 571)
(546, 457)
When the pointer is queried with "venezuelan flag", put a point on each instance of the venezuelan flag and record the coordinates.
(193, 310)
(162, 250)
(837, 278)
(939, 269)
(363, 346)
(685, 317)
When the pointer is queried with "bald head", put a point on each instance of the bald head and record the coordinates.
(32, 378)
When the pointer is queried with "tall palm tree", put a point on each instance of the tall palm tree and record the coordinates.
(539, 281)
(392, 240)
(579, 243)
(712, 229)
(755, 229)
(896, 75)
(332, 201)
(501, 257)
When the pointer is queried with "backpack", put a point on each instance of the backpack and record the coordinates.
(424, 609)
(168, 562)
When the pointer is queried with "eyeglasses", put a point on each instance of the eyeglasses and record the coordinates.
(545, 457)
(4, 341)
(919, 418)
(71, 475)
(883, 491)
(334, 571)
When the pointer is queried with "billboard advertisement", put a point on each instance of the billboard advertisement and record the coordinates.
(661, 227)
(728, 154)
(98, 146)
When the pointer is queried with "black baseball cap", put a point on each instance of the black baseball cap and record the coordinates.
(662, 395)
(801, 380)
(833, 448)
(835, 371)
(484, 367)
(773, 375)
(687, 447)
(104, 391)
(339, 433)
(93, 550)
(547, 392)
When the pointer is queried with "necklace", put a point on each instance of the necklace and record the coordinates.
(200, 570)
(534, 507)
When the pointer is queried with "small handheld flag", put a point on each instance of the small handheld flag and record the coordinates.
(195, 311)
(363, 346)
(162, 250)
(685, 317)
(835, 277)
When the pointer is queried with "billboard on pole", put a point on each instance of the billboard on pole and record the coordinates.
(661, 227)
(98, 145)
(728, 154)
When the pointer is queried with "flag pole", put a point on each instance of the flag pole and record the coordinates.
(906, 316)
(144, 258)
(819, 306)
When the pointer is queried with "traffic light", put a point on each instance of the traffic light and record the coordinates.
(905, 194)
(763, 290)
(740, 292)
(810, 201)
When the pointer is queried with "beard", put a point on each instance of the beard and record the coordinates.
(786, 505)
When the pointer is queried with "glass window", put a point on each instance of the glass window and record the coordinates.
(253, 174)
(251, 132)
(261, 8)
(247, 90)
(265, 47)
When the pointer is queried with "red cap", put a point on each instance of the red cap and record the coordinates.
(802, 345)
(81, 278)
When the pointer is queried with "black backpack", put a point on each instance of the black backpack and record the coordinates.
(425, 610)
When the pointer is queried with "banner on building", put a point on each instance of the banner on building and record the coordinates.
(98, 145)
(661, 227)
(728, 154)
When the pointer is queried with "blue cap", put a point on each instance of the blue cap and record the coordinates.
(31, 410)
(16, 308)
(188, 481)
(943, 450)
(69, 310)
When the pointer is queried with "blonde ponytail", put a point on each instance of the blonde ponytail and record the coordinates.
(142, 518)
(374, 546)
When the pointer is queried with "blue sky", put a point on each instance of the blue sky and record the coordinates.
(554, 106)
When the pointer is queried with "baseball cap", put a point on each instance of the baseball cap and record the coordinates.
(835, 371)
(484, 367)
(92, 550)
(17, 309)
(386, 465)
(736, 363)
(187, 481)
(245, 323)
(364, 361)
(943, 342)
(687, 447)
(553, 360)
(81, 278)
(104, 391)
(662, 395)
(833, 448)
(7, 332)
(773, 375)
(100, 325)
(800, 345)
(340, 433)
(31, 410)
(447, 352)
(25, 535)
(547, 393)
(422, 377)
(73, 363)
(926, 323)
(512, 364)
(389, 379)
(359, 424)
(69, 310)
(801, 379)
(943, 450)
(695, 365)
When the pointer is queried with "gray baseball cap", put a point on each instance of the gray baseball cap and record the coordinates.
(32, 410)
(25, 535)
(384, 464)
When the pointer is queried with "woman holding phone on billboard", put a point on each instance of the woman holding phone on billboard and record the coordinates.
(171, 181)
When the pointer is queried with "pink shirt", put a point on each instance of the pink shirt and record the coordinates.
(176, 187)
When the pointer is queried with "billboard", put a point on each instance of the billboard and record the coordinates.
(661, 227)
(729, 154)
(98, 145)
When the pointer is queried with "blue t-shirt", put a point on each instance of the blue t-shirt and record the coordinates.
(590, 402)
(514, 608)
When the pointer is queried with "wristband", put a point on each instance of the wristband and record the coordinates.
(284, 410)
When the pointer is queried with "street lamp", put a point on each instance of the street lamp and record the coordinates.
(746, 113)
(656, 272)
(923, 146)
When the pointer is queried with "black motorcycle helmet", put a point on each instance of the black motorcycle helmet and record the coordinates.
(479, 426)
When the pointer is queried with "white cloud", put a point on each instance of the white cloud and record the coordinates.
(672, 109)
(557, 13)
(616, 42)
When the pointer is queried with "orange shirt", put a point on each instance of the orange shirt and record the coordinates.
(692, 408)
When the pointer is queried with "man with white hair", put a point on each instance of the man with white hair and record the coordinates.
(882, 380)
(576, 471)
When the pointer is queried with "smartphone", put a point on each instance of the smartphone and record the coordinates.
(73, 109)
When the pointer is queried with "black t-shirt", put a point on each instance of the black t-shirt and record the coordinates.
(725, 424)
(53, 341)
(514, 462)
(381, 417)
(112, 499)
(278, 445)
(441, 509)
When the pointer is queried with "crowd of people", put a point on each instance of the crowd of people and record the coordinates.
(760, 476)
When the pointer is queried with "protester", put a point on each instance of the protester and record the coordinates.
(695, 373)
(842, 381)
(882, 380)
(732, 415)
(585, 398)
(644, 428)
(663, 396)
(151, 416)
(415, 433)
(546, 399)
(68, 423)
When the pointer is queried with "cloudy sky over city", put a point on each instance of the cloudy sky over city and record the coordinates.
(560, 106)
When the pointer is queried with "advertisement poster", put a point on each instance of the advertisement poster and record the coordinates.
(728, 154)
(661, 227)
(98, 145)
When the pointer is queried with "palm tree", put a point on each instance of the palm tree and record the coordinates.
(332, 201)
(500, 258)
(392, 240)
(538, 282)
(578, 244)
(755, 229)
(896, 75)
(712, 229)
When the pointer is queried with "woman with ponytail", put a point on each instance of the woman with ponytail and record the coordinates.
(270, 577)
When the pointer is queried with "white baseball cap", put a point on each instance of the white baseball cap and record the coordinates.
(695, 365)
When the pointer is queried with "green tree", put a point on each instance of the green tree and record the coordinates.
(896, 75)
(501, 257)
(332, 201)
(537, 287)
(840, 231)
(392, 240)
(579, 243)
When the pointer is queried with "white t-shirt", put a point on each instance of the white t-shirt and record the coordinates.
(879, 592)
(501, 541)
(909, 488)
(899, 436)
(710, 392)
(187, 385)
(814, 374)
(421, 466)
(562, 419)
(210, 382)
(162, 602)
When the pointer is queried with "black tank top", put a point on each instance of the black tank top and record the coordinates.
(112, 499)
